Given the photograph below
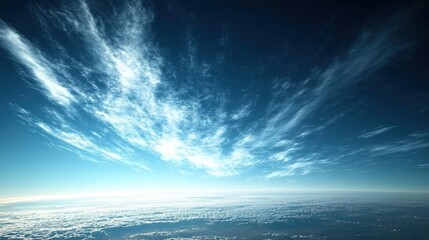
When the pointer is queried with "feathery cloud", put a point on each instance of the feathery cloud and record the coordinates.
(118, 99)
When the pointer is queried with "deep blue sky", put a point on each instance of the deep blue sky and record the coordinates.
(100, 96)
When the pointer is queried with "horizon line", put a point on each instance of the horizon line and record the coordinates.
(163, 194)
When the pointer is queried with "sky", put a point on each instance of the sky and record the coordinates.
(120, 95)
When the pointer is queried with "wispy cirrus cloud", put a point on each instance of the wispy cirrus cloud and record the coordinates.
(373, 49)
(118, 99)
(38, 65)
(134, 101)
(88, 145)
(401, 147)
(297, 168)
(405, 148)
(375, 132)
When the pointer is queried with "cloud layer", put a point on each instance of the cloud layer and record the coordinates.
(217, 216)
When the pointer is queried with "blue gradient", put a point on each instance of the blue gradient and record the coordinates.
(135, 95)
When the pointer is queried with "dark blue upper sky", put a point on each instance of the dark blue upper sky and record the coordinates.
(104, 95)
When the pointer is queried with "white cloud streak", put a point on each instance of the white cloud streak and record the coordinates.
(376, 132)
(407, 146)
(37, 64)
(297, 168)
